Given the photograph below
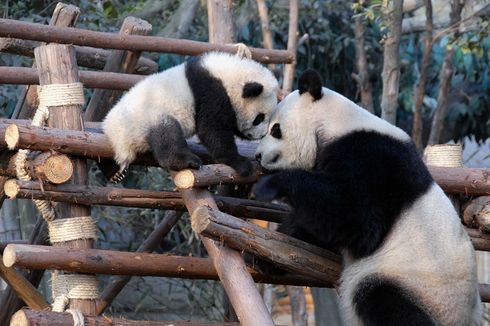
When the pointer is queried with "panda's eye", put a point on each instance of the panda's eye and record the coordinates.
(276, 131)
(258, 119)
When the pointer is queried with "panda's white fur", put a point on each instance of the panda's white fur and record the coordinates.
(426, 250)
(168, 94)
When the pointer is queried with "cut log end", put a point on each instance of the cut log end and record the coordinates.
(200, 219)
(184, 179)
(11, 188)
(58, 169)
(12, 136)
(9, 257)
(19, 319)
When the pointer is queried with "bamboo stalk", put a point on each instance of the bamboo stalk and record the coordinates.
(38, 32)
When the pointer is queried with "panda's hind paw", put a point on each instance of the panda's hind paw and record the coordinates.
(241, 164)
(118, 176)
(266, 189)
(185, 161)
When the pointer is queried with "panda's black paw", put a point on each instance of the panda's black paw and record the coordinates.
(186, 160)
(267, 189)
(118, 176)
(241, 165)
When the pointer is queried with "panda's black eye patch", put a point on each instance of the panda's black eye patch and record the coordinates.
(276, 131)
(258, 119)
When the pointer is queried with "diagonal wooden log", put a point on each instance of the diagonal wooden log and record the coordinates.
(91, 195)
(86, 56)
(38, 32)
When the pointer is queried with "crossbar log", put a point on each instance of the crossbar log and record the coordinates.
(54, 34)
(286, 252)
(110, 262)
(92, 195)
(27, 317)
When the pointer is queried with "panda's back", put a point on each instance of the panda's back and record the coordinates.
(429, 255)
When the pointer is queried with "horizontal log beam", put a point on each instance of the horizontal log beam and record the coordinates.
(90, 195)
(97, 261)
(90, 79)
(285, 252)
(26, 317)
(86, 56)
(54, 34)
(466, 181)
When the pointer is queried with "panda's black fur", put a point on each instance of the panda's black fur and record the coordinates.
(362, 183)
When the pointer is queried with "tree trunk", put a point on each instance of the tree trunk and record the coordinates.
(181, 19)
(220, 20)
(392, 17)
(362, 76)
(288, 79)
(445, 78)
(264, 24)
(420, 90)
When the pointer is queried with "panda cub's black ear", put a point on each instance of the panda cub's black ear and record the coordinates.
(310, 81)
(252, 89)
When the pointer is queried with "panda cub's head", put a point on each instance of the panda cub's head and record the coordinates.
(310, 118)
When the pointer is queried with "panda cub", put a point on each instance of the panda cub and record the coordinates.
(358, 186)
(215, 95)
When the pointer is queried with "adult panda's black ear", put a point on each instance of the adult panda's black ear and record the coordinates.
(252, 89)
(310, 81)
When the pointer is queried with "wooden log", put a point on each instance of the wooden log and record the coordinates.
(215, 174)
(485, 292)
(48, 166)
(38, 32)
(476, 213)
(238, 283)
(57, 65)
(288, 253)
(86, 56)
(481, 241)
(91, 79)
(118, 61)
(4, 244)
(117, 283)
(91, 195)
(64, 15)
(24, 289)
(26, 317)
(466, 181)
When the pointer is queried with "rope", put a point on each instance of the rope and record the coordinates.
(243, 51)
(60, 94)
(446, 155)
(75, 228)
(78, 319)
(74, 286)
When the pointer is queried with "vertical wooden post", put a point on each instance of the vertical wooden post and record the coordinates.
(288, 79)
(220, 13)
(118, 61)
(57, 65)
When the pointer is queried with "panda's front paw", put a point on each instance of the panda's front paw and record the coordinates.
(241, 165)
(267, 189)
(185, 160)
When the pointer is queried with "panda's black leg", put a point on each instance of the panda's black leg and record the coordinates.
(220, 142)
(379, 302)
(168, 145)
(112, 171)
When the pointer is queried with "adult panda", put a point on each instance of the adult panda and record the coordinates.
(358, 186)
(216, 95)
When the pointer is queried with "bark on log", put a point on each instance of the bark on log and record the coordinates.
(117, 283)
(288, 79)
(38, 32)
(420, 89)
(93, 79)
(119, 61)
(23, 288)
(26, 317)
(476, 213)
(220, 21)
(288, 253)
(481, 241)
(57, 65)
(86, 56)
(362, 76)
(63, 16)
(467, 181)
(47, 167)
(90, 195)
(392, 16)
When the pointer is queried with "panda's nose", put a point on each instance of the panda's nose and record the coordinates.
(258, 156)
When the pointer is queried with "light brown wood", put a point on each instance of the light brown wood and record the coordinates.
(57, 65)
(38, 32)
(213, 174)
(467, 181)
(93, 79)
(91, 195)
(289, 69)
(26, 317)
(220, 21)
(286, 252)
(361, 76)
(86, 56)
(52, 167)
(12, 136)
(476, 213)
(118, 61)
(64, 15)
(24, 289)
(266, 31)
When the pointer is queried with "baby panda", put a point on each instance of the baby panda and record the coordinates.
(215, 95)
(358, 186)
